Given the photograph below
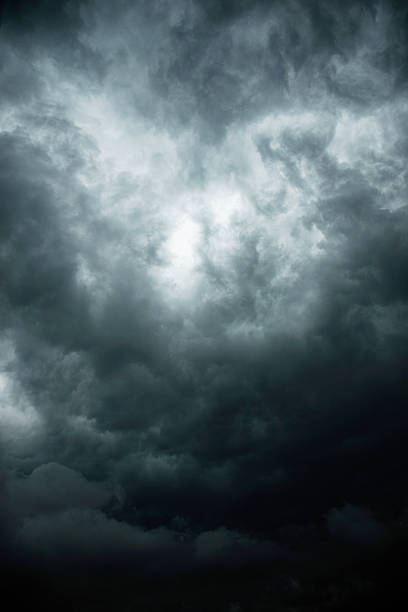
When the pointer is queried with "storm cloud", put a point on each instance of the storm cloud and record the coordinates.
(203, 281)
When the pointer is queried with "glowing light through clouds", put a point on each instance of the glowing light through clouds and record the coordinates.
(203, 293)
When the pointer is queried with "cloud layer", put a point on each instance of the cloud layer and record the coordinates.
(203, 275)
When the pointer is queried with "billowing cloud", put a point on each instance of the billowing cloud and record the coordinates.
(203, 278)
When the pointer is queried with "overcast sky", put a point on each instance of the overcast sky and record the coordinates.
(203, 279)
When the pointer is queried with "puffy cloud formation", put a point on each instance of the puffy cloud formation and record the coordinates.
(203, 276)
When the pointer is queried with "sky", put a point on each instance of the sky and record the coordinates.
(203, 290)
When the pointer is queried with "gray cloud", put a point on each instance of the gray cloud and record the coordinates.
(52, 487)
(202, 277)
(355, 524)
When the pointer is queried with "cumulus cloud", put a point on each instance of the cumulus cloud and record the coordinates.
(89, 537)
(52, 487)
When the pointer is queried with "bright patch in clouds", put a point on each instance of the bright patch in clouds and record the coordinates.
(19, 420)
(182, 244)
(180, 258)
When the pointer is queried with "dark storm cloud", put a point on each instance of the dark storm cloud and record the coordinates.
(134, 404)
(205, 57)
(355, 524)
(51, 27)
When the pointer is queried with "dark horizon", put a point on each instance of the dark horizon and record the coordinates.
(203, 303)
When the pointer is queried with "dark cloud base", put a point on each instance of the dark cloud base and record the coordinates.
(339, 580)
(203, 304)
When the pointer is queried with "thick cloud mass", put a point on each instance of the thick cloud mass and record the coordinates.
(203, 280)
